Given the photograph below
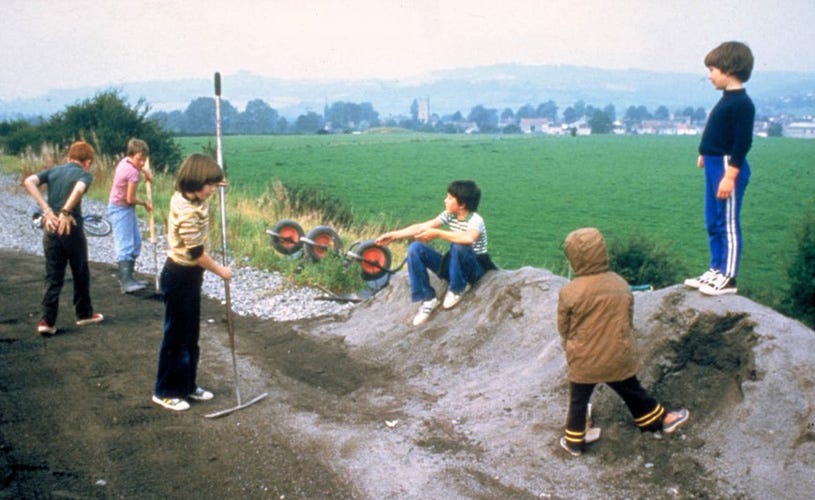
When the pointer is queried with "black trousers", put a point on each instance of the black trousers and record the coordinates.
(179, 352)
(60, 252)
(646, 411)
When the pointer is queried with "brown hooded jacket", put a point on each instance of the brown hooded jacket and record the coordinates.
(594, 314)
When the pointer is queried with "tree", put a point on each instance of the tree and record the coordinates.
(485, 119)
(526, 111)
(199, 116)
(414, 110)
(611, 111)
(257, 118)
(662, 113)
(107, 122)
(548, 110)
(349, 115)
(801, 271)
(600, 122)
(775, 130)
(570, 115)
(634, 115)
(309, 123)
(699, 116)
(507, 114)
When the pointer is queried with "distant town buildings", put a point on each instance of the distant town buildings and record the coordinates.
(423, 114)
(800, 130)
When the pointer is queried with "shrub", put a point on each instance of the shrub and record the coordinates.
(305, 199)
(642, 262)
(801, 271)
(107, 122)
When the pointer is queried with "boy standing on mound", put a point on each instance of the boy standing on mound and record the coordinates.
(595, 320)
(466, 261)
(723, 151)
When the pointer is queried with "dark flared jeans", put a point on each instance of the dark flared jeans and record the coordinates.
(60, 252)
(178, 356)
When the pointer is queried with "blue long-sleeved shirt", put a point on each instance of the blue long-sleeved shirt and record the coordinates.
(729, 129)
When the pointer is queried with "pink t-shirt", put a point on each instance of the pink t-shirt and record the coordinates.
(126, 172)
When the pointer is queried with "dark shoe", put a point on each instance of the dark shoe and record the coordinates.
(677, 418)
(94, 318)
(43, 328)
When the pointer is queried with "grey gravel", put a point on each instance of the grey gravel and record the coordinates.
(253, 292)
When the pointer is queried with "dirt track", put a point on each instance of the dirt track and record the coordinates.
(469, 405)
(76, 419)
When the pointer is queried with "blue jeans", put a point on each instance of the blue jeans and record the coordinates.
(126, 233)
(463, 268)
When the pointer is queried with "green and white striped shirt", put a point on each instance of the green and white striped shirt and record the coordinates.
(472, 221)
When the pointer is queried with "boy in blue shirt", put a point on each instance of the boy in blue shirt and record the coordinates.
(723, 151)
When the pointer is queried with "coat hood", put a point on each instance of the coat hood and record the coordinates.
(586, 250)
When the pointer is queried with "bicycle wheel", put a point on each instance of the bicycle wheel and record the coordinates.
(321, 240)
(96, 225)
(286, 236)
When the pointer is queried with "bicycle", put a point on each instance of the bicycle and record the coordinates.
(94, 224)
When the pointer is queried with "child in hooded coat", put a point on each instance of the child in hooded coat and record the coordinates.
(595, 320)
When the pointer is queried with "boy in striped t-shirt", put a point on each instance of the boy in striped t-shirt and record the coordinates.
(466, 261)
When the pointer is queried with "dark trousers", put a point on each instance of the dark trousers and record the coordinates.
(179, 352)
(646, 411)
(61, 251)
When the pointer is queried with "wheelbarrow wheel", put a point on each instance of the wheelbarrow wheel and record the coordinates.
(374, 260)
(324, 240)
(286, 236)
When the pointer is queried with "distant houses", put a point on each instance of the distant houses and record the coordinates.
(800, 130)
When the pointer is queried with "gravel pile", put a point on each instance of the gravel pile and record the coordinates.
(253, 292)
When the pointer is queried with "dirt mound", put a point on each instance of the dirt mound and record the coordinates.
(363, 405)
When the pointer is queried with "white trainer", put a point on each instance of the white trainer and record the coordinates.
(201, 395)
(704, 279)
(425, 311)
(451, 299)
(174, 404)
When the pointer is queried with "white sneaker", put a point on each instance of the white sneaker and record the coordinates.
(704, 279)
(592, 435)
(451, 299)
(425, 311)
(201, 395)
(720, 285)
(175, 404)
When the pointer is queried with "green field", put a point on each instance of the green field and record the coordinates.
(537, 189)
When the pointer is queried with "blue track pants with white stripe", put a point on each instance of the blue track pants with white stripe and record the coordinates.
(723, 217)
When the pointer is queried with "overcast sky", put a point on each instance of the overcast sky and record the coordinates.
(48, 44)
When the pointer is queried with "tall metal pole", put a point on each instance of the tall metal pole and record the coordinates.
(222, 196)
(229, 324)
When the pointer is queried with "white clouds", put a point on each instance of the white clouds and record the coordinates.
(62, 43)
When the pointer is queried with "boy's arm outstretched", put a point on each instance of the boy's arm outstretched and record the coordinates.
(408, 231)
